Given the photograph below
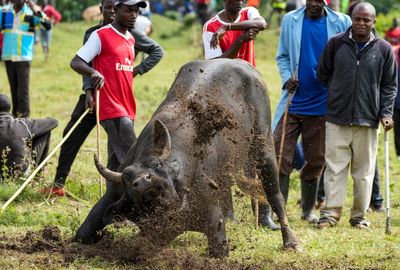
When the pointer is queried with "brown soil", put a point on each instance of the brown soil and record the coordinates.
(46, 249)
(209, 120)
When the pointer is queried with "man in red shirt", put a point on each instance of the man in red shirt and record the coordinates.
(45, 35)
(111, 51)
(231, 32)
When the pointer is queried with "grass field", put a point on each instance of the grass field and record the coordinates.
(54, 91)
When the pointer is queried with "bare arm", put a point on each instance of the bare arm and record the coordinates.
(83, 68)
(257, 25)
(232, 52)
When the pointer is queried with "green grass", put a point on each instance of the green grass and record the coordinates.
(54, 91)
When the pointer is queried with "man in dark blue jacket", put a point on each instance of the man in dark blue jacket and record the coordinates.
(360, 71)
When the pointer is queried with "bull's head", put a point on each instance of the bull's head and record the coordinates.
(152, 180)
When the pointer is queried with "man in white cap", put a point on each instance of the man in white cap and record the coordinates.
(111, 51)
(304, 33)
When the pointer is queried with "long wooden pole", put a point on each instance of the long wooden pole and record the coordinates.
(44, 161)
(98, 136)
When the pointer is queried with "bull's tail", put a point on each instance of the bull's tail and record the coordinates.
(253, 188)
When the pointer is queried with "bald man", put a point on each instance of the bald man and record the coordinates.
(360, 71)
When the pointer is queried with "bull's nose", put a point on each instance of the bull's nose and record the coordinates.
(142, 181)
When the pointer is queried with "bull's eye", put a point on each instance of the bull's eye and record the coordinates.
(158, 167)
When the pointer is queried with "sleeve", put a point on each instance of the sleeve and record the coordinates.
(90, 49)
(253, 13)
(42, 21)
(388, 84)
(325, 63)
(145, 44)
(209, 52)
(86, 81)
(283, 54)
(38, 127)
(56, 15)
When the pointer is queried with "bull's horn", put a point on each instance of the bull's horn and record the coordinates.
(107, 173)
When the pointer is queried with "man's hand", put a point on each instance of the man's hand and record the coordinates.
(387, 123)
(97, 80)
(249, 34)
(35, 8)
(217, 36)
(89, 99)
(291, 85)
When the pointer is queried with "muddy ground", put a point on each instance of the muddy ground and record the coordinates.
(48, 249)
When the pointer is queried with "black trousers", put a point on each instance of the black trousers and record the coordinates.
(121, 136)
(71, 146)
(40, 147)
(18, 78)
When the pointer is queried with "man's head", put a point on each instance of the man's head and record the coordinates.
(126, 11)
(107, 9)
(315, 8)
(233, 6)
(363, 18)
(18, 4)
(5, 104)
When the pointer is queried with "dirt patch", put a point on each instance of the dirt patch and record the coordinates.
(209, 120)
(47, 248)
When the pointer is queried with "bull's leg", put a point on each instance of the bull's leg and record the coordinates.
(227, 202)
(89, 232)
(269, 177)
(216, 235)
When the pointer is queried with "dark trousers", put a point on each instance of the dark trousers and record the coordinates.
(40, 148)
(376, 197)
(71, 146)
(396, 118)
(121, 136)
(18, 78)
(312, 130)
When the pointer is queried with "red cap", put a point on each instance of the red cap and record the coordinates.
(327, 2)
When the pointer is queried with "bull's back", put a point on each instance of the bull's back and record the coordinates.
(221, 88)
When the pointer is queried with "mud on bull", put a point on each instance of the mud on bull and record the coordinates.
(213, 124)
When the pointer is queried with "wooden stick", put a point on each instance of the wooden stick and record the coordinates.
(44, 161)
(98, 137)
(284, 130)
(289, 101)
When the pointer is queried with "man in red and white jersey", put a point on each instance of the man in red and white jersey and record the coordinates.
(231, 33)
(111, 51)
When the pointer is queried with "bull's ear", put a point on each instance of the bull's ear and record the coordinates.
(162, 141)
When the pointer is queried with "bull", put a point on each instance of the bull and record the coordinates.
(212, 127)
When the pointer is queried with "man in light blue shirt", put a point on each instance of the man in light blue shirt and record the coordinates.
(304, 33)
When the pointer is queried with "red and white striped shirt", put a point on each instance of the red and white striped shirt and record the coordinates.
(246, 52)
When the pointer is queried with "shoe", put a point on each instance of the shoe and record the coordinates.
(55, 191)
(325, 222)
(361, 224)
(376, 208)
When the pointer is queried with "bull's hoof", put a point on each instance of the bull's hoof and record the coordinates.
(89, 240)
(220, 250)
